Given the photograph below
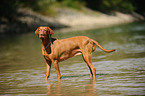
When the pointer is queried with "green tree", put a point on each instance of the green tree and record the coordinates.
(111, 5)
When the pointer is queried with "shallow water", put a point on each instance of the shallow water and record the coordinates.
(22, 67)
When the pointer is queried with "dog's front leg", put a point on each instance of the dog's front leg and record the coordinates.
(56, 66)
(48, 67)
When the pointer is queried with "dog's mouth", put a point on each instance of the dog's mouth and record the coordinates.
(41, 36)
(42, 39)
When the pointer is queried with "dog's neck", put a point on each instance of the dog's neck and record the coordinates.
(46, 42)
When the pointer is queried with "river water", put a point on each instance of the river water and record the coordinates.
(121, 73)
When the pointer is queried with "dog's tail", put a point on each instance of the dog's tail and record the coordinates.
(102, 47)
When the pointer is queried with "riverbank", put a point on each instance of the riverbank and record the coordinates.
(93, 19)
(66, 20)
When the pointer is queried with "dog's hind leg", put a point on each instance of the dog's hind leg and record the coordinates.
(87, 59)
(87, 55)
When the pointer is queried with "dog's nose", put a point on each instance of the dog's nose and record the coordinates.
(41, 36)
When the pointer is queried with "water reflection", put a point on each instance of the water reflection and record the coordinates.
(58, 89)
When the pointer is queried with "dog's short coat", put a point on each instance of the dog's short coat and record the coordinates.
(55, 50)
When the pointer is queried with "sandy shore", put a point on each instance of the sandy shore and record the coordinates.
(67, 20)
(92, 20)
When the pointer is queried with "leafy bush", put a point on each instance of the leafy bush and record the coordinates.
(47, 7)
(76, 4)
(44, 7)
(111, 5)
(117, 5)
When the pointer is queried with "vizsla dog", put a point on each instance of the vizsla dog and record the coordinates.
(55, 50)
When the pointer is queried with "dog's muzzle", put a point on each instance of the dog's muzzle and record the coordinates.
(41, 36)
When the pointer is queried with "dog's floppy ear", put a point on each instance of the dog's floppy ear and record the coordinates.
(50, 31)
(37, 32)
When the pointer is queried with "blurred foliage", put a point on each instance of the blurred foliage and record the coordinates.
(76, 4)
(8, 8)
(47, 7)
(44, 7)
(111, 5)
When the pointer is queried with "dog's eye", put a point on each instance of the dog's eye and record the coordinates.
(39, 30)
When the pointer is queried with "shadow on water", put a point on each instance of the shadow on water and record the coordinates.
(73, 76)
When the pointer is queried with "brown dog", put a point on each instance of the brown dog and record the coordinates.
(55, 50)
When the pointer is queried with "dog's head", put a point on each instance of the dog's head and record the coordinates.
(43, 32)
